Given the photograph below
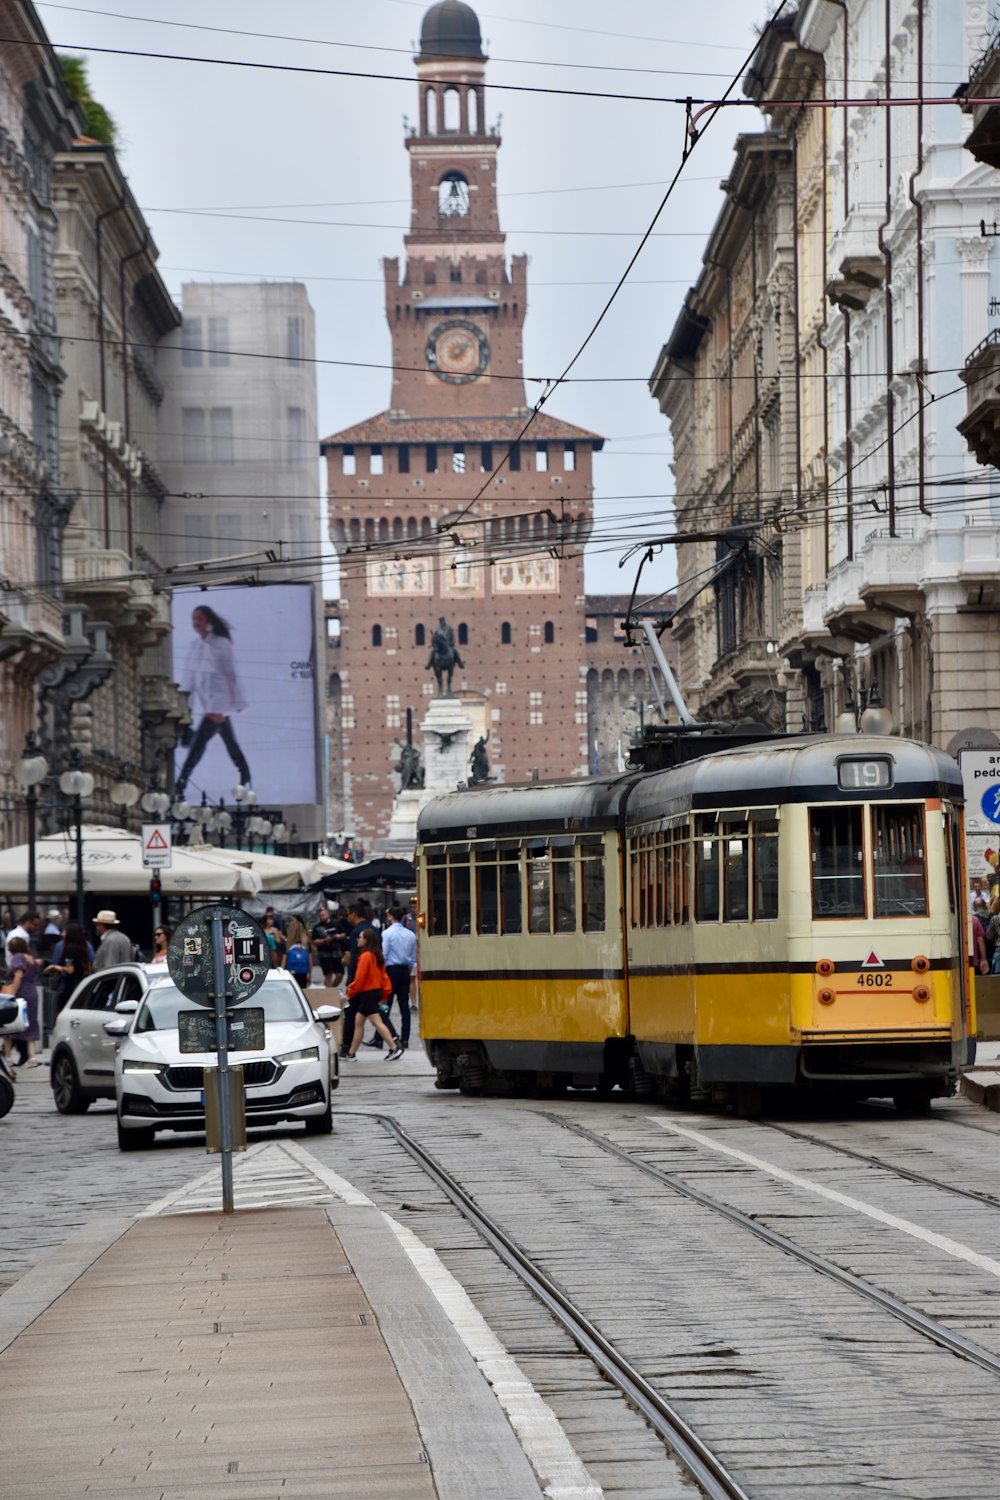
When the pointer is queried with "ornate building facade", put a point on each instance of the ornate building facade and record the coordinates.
(457, 501)
(890, 568)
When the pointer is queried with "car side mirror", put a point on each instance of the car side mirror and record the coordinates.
(127, 1007)
(327, 1013)
(118, 1027)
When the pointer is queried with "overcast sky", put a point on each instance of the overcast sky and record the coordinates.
(580, 180)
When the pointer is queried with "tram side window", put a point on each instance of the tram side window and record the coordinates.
(736, 872)
(765, 870)
(898, 861)
(592, 884)
(487, 894)
(539, 890)
(706, 869)
(838, 872)
(564, 888)
(510, 889)
(460, 905)
(437, 896)
(679, 913)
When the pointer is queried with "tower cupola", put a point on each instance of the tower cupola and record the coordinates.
(451, 29)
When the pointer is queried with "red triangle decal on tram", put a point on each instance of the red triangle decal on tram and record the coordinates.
(873, 961)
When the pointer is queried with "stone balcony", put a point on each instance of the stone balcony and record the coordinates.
(981, 424)
(846, 611)
(983, 139)
(31, 625)
(892, 566)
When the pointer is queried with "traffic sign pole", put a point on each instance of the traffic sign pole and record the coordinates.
(222, 1046)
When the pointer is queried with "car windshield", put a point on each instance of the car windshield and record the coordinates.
(281, 1002)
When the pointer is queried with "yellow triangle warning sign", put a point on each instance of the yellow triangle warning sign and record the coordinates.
(156, 840)
(873, 961)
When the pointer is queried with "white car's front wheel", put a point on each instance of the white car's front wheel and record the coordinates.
(134, 1140)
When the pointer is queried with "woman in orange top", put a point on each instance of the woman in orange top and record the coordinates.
(368, 989)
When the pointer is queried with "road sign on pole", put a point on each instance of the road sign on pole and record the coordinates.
(156, 845)
(219, 957)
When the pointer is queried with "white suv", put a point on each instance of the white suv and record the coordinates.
(159, 1087)
(83, 1055)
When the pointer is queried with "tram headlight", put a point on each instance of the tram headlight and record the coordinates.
(826, 997)
(921, 993)
(920, 964)
(825, 966)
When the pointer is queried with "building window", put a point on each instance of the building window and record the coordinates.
(350, 463)
(550, 632)
(505, 636)
(198, 535)
(392, 717)
(432, 458)
(463, 635)
(295, 340)
(376, 635)
(404, 458)
(376, 466)
(458, 459)
(420, 636)
(218, 342)
(456, 275)
(295, 421)
(541, 458)
(514, 459)
(591, 630)
(569, 457)
(501, 687)
(534, 632)
(535, 708)
(193, 445)
(221, 434)
(191, 338)
(486, 458)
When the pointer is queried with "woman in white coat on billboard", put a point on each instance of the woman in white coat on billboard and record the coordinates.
(210, 678)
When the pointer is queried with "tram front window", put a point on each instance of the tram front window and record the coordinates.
(592, 884)
(437, 896)
(898, 861)
(461, 894)
(564, 889)
(838, 871)
(510, 888)
(539, 891)
(487, 903)
(706, 870)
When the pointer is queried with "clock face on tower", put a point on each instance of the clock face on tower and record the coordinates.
(457, 351)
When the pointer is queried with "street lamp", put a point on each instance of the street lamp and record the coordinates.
(77, 783)
(31, 769)
(220, 823)
(244, 797)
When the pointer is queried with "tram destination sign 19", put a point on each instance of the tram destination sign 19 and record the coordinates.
(191, 959)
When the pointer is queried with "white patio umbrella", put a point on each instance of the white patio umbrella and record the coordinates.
(277, 871)
(112, 865)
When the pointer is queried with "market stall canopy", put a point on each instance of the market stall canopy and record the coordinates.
(277, 872)
(112, 865)
(376, 873)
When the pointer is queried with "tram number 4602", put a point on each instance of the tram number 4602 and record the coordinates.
(875, 980)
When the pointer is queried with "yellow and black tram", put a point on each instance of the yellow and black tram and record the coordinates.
(783, 913)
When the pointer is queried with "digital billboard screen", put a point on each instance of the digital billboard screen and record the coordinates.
(247, 658)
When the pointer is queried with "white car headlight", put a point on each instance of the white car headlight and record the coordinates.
(305, 1054)
(131, 1066)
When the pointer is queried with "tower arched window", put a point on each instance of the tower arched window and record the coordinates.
(397, 528)
(453, 196)
(550, 632)
(463, 635)
(420, 636)
(472, 96)
(376, 635)
(505, 633)
(383, 529)
(452, 109)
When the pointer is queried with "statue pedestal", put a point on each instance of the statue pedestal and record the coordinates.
(446, 730)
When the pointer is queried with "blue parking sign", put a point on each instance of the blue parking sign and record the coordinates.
(990, 803)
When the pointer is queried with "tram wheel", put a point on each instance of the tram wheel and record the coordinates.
(914, 1099)
(749, 1100)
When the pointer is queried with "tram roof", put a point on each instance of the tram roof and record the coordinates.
(766, 773)
(794, 770)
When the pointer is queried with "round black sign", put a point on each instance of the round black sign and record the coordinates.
(245, 951)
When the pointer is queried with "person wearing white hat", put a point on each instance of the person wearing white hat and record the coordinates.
(113, 946)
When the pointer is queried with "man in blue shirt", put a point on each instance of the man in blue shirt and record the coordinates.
(399, 949)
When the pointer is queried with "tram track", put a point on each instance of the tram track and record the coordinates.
(989, 1200)
(703, 1465)
(929, 1328)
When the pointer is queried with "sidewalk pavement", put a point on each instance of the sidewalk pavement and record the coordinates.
(270, 1354)
(981, 1082)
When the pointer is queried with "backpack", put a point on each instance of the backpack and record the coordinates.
(298, 959)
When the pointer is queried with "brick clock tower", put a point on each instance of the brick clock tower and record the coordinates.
(507, 570)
